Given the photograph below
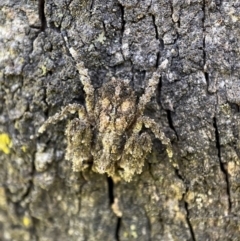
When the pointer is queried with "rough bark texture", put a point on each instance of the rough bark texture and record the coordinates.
(195, 195)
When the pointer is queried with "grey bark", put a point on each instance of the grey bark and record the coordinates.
(195, 196)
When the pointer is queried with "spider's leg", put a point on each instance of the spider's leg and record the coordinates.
(156, 129)
(79, 137)
(87, 86)
(69, 109)
(149, 90)
(136, 148)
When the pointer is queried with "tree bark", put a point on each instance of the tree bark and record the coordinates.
(192, 196)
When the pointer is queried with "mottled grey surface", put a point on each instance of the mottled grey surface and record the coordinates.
(193, 196)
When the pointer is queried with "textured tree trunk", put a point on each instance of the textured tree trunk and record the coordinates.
(193, 195)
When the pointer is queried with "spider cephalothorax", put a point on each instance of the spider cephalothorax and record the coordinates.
(108, 133)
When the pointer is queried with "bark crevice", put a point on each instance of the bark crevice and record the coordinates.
(122, 18)
(161, 43)
(110, 190)
(41, 12)
(170, 122)
(92, 4)
(117, 235)
(111, 202)
(204, 44)
(222, 166)
(155, 27)
(185, 204)
(123, 22)
(188, 220)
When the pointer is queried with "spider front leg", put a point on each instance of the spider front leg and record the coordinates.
(69, 109)
(79, 143)
(149, 90)
(88, 88)
(138, 146)
(156, 129)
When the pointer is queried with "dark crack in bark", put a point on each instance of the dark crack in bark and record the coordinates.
(46, 111)
(222, 166)
(170, 122)
(122, 27)
(122, 18)
(188, 221)
(110, 190)
(171, 6)
(159, 89)
(204, 44)
(207, 79)
(92, 4)
(161, 44)
(185, 204)
(148, 219)
(158, 59)
(104, 28)
(155, 27)
(42, 17)
(168, 112)
(118, 229)
(111, 202)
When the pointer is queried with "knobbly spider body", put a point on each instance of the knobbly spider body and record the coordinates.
(108, 133)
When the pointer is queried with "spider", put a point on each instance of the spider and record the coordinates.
(108, 133)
